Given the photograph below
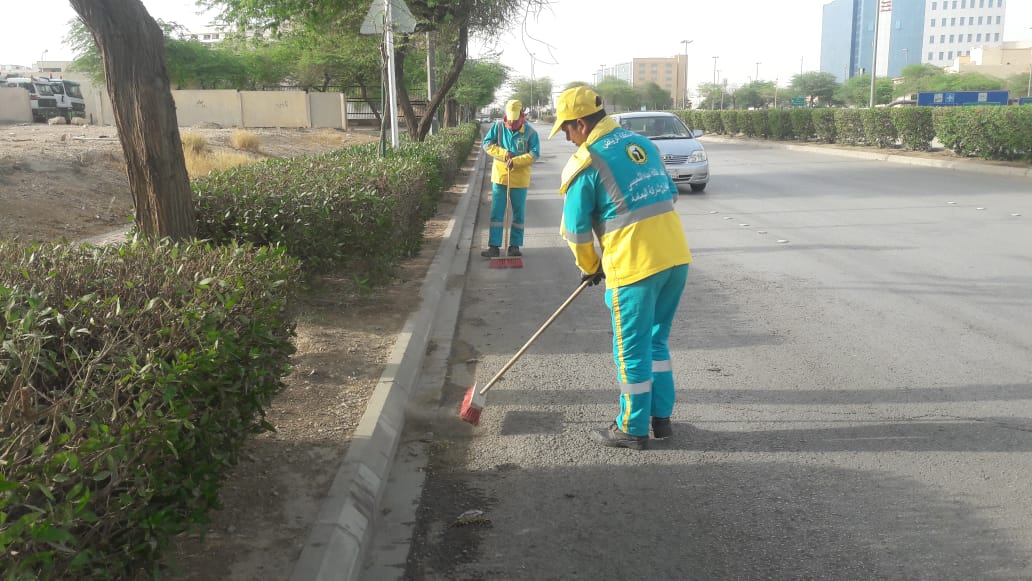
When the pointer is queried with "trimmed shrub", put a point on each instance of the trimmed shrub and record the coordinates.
(730, 120)
(913, 126)
(824, 124)
(849, 126)
(802, 123)
(878, 127)
(780, 123)
(987, 132)
(130, 377)
(713, 122)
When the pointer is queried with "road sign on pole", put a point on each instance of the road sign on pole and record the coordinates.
(383, 17)
(798, 101)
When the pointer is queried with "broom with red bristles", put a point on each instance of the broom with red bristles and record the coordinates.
(475, 400)
(507, 261)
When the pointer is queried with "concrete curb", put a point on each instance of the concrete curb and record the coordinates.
(339, 539)
(955, 165)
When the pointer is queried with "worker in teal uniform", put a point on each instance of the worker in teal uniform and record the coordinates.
(617, 190)
(515, 146)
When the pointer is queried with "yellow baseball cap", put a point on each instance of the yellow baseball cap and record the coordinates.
(513, 110)
(575, 103)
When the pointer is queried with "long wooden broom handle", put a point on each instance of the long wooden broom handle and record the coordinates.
(533, 337)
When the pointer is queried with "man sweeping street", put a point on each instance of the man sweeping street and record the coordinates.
(616, 188)
(515, 146)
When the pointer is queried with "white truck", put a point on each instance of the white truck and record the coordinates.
(69, 98)
(41, 96)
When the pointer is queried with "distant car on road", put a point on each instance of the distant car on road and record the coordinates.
(683, 156)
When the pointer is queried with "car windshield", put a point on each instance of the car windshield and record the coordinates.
(43, 89)
(57, 88)
(657, 127)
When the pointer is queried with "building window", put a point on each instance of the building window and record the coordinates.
(940, 55)
(933, 5)
(981, 3)
(951, 39)
(931, 39)
(953, 21)
(942, 39)
(942, 22)
(963, 4)
(929, 56)
(978, 37)
(932, 23)
(997, 20)
(950, 57)
(997, 37)
(969, 38)
(980, 20)
(954, 7)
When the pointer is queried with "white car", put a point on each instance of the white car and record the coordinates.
(683, 156)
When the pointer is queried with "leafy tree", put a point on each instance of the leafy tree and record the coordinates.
(856, 91)
(654, 97)
(478, 83)
(618, 95)
(815, 86)
(452, 23)
(711, 94)
(916, 78)
(533, 93)
(966, 82)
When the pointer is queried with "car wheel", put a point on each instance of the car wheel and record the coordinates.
(698, 187)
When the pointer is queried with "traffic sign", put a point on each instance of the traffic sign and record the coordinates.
(798, 101)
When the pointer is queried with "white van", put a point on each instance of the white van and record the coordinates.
(41, 96)
(69, 98)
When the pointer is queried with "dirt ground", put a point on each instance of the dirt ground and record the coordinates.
(66, 182)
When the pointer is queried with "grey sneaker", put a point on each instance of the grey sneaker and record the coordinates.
(491, 252)
(513, 251)
(613, 437)
(661, 428)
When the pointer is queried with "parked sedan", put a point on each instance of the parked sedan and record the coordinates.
(684, 157)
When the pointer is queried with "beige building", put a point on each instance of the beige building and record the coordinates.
(1010, 58)
(668, 73)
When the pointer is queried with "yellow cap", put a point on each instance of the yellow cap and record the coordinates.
(575, 103)
(513, 110)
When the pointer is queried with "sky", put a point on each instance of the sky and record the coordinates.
(569, 40)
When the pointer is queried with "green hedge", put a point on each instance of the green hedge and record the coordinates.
(1000, 133)
(130, 376)
(349, 209)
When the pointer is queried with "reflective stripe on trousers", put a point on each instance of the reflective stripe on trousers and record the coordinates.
(518, 199)
(642, 315)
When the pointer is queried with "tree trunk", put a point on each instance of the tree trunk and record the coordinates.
(461, 49)
(132, 49)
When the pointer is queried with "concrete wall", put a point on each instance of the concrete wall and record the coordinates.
(14, 105)
(328, 110)
(275, 109)
(197, 107)
(229, 108)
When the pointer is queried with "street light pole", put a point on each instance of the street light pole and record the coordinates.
(531, 84)
(715, 69)
(42, 56)
(758, 72)
(684, 96)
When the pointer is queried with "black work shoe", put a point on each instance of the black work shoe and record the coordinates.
(513, 251)
(661, 428)
(491, 252)
(613, 437)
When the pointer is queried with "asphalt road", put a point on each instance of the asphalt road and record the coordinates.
(853, 356)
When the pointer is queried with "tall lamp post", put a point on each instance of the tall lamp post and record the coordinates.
(684, 96)
(758, 72)
(531, 84)
(42, 56)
